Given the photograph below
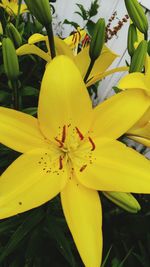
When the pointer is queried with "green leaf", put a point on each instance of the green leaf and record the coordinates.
(83, 12)
(143, 257)
(30, 222)
(30, 91)
(116, 89)
(32, 111)
(72, 23)
(90, 27)
(55, 231)
(9, 224)
(106, 258)
(115, 262)
(93, 9)
(5, 97)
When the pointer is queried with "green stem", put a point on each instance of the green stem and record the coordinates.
(49, 30)
(146, 36)
(89, 70)
(15, 95)
(18, 14)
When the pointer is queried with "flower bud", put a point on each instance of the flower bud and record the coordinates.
(124, 200)
(139, 56)
(132, 38)
(14, 35)
(137, 15)
(11, 65)
(41, 10)
(98, 39)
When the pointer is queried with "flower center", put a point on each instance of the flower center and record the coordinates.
(70, 149)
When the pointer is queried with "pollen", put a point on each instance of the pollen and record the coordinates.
(83, 168)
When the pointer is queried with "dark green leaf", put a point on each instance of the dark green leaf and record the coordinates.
(31, 111)
(30, 91)
(83, 12)
(90, 27)
(31, 221)
(93, 9)
(72, 23)
(55, 232)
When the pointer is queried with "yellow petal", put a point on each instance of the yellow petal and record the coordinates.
(32, 49)
(114, 167)
(101, 65)
(23, 8)
(19, 131)
(83, 213)
(117, 114)
(143, 131)
(62, 48)
(140, 132)
(37, 37)
(142, 122)
(31, 180)
(62, 95)
(102, 75)
(134, 80)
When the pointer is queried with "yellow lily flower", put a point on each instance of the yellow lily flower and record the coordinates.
(74, 152)
(82, 59)
(140, 132)
(11, 7)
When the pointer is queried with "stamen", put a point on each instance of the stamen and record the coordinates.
(83, 168)
(79, 133)
(92, 143)
(60, 163)
(85, 41)
(75, 39)
(63, 134)
(73, 36)
(60, 142)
